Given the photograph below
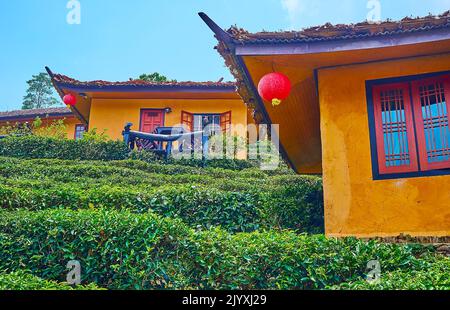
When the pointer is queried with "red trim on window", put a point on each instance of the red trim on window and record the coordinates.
(188, 120)
(76, 130)
(424, 126)
(225, 121)
(401, 97)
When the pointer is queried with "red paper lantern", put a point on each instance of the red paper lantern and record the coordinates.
(274, 87)
(70, 100)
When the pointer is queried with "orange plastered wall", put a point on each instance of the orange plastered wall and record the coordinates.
(70, 127)
(113, 114)
(355, 204)
(70, 123)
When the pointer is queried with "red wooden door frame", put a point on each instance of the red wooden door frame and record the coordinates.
(162, 116)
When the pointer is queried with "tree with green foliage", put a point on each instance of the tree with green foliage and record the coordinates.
(154, 77)
(39, 93)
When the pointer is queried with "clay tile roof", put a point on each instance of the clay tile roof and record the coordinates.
(59, 78)
(343, 32)
(20, 114)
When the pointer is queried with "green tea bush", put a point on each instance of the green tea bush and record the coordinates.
(230, 164)
(121, 250)
(23, 281)
(198, 206)
(273, 260)
(434, 277)
(116, 249)
(132, 170)
(97, 147)
(237, 201)
(31, 146)
(297, 204)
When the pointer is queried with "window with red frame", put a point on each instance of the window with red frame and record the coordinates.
(225, 121)
(79, 131)
(198, 122)
(412, 125)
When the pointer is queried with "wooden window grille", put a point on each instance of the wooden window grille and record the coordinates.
(394, 129)
(430, 100)
(225, 121)
(412, 125)
(187, 119)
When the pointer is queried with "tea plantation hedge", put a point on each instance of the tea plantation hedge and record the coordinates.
(436, 277)
(123, 250)
(30, 146)
(42, 147)
(238, 201)
(23, 281)
(136, 222)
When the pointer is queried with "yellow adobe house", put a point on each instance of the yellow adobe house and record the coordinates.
(369, 110)
(48, 116)
(148, 105)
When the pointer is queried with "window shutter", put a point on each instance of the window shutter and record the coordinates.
(396, 145)
(431, 109)
(225, 121)
(187, 119)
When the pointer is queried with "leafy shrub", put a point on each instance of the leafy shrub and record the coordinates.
(115, 249)
(44, 147)
(93, 136)
(55, 129)
(121, 250)
(271, 260)
(97, 146)
(231, 164)
(435, 277)
(200, 207)
(15, 129)
(237, 201)
(23, 281)
(297, 205)
(206, 208)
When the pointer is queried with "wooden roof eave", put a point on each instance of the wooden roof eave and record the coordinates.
(246, 88)
(340, 45)
(62, 94)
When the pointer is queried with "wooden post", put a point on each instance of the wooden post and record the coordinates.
(168, 149)
(205, 147)
(126, 135)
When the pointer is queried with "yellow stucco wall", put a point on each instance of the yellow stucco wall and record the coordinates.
(355, 204)
(70, 123)
(70, 126)
(112, 114)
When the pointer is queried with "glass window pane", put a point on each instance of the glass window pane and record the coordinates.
(203, 120)
(79, 130)
(394, 128)
(198, 123)
(435, 122)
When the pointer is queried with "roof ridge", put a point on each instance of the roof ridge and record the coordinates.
(34, 112)
(139, 82)
(329, 31)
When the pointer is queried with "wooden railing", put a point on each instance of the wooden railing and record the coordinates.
(162, 141)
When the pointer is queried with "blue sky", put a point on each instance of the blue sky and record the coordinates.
(119, 39)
